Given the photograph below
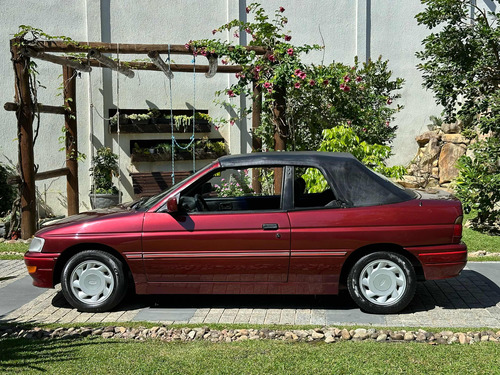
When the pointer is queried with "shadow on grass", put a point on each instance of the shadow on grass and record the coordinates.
(21, 354)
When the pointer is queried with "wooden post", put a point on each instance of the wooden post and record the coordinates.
(281, 131)
(256, 141)
(24, 116)
(69, 81)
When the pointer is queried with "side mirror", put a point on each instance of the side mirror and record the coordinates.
(172, 205)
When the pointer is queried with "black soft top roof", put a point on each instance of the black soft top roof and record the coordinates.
(311, 158)
(352, 181)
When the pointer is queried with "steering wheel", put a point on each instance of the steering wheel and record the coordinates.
(201, 205)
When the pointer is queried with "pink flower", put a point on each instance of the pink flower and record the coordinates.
(254, 37)
(188, 45)
(236, 35)
(302, 75)
(297, 85)
(364, 129)
(231, 93)
(282, 9)
(312, 82)
(387, 123)
(359, 79)
(203, 52)
(267, 85)
(284, 20)
(289, 51)
(217, 127)
(288, 38)
(224, 62)
(349, 122)
(231, 122)
(257, 68)
(271, 58)
(346, 78)
(238, 75)
(297, 72)
(326, 82)
(270, 91)
(389, 101)
(247, 9)
(345, 88)
(248, 30)
(214, 31)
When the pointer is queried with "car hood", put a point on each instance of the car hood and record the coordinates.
(109, 220)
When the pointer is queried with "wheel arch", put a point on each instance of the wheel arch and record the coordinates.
(70, 251)
(365, 250)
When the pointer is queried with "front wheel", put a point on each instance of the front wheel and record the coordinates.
(93, 281)
(382, 282)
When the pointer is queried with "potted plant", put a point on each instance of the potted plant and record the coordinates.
(105, 166)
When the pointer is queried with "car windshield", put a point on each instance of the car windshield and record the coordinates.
(145, 204)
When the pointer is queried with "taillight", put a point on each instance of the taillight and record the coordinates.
(457, 230)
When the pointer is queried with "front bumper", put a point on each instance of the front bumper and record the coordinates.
(441, 261)
(43, 265)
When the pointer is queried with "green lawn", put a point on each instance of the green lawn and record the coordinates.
(100, 356)
(12, 250)
(477, 241)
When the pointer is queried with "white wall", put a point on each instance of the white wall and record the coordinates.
(367, 28)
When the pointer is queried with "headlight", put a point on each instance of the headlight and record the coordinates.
(36, 244)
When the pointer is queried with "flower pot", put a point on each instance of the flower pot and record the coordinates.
(103, 200)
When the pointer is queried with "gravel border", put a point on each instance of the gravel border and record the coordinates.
(324, 334)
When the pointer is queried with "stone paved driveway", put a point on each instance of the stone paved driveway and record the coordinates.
(470, 300)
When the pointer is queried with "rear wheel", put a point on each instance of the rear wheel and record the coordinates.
(93, 281)
(382, 282)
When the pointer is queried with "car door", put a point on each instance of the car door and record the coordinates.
(317, 250)
(232, 238)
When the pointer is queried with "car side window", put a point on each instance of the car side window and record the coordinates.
(312, 190)
(236, 189)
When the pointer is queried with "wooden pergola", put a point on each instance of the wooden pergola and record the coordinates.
(25, 108)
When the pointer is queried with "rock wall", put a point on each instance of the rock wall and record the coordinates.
(435, 162)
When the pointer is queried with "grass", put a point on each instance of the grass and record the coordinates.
(477, 241)
(12, 250)
(100, 356)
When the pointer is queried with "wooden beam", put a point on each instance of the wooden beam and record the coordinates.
(10, 106)
(185, 68)
(55, 59)
(16, 180)
(25, 134)
(70, 125)
(175, 49)
(95, 54)
(160, 64)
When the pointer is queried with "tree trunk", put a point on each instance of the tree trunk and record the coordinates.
(281, 131)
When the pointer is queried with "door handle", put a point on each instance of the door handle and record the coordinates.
(271, 226)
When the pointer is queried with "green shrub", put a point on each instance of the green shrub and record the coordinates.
(478, 183)
(7, 191)
(105, 166)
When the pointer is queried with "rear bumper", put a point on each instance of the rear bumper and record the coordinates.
(43, 276)
(441, 262)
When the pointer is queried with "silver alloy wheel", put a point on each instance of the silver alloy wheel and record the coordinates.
(92, 282)
(382, 282)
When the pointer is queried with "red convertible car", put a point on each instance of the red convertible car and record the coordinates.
(262, 223)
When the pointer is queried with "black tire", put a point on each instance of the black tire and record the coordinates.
(382, 282)
(93, 281)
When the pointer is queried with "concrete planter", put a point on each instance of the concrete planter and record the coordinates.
(103, 200)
